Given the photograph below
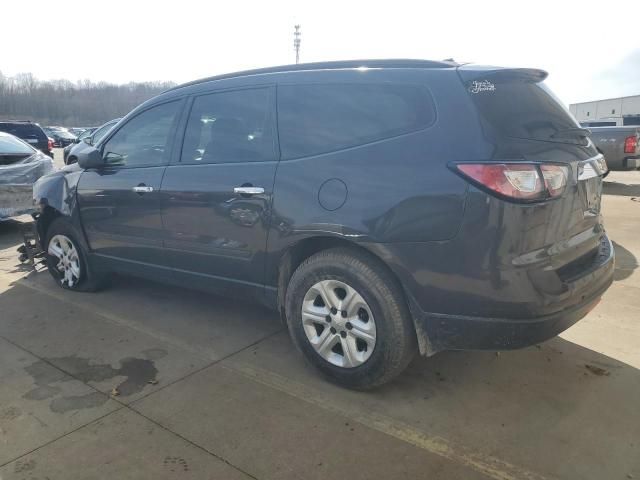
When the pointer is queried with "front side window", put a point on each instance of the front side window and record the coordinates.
(230, 127)
(144, 140)
(315, 119)
(101, 132)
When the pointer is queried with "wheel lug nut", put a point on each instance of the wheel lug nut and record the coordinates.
(349, 326)
(332, 330)
(328, 318)
(334, 310)
(343, 334)
(344, 314)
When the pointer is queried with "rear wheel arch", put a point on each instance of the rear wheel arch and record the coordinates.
(302, 250)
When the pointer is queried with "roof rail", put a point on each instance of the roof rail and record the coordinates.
(333, 65)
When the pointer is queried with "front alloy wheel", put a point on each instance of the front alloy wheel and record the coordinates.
(68, 260)
(338, 323)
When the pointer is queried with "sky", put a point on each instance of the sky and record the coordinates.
(590, 49)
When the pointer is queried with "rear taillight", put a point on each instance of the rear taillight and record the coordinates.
(50, 144)
(517, 181)
(555, 178)
(630, 144)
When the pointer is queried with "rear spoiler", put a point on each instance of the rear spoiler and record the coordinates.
(469, 73)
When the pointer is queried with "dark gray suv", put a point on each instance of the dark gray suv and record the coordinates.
(383, 207)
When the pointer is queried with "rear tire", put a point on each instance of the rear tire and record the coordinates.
(66, 258)
(355, 328)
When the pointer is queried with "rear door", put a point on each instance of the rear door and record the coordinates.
(120, 203)
(216, 199)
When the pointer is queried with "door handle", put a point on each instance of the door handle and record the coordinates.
(248, 190)
(142, 189)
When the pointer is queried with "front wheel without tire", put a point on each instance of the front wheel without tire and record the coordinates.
(347, 314)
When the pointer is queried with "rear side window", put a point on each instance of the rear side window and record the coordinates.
(315, 119)
(229, 127)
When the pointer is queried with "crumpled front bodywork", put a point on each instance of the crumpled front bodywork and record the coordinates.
(58, 190)
(16, 184)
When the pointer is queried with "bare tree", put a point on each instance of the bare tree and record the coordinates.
(61, 102)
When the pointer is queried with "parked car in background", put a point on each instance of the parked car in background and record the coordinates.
(619, 145)
(20, 166)
(382, 206)
(90, 136)
(30, 132)
(78, 130)
(87, 131)
(61, 136)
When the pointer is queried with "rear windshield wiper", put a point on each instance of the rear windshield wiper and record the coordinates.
(579, 132)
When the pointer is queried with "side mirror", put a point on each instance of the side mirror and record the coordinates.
(75, 140)
(89, 157)
(87, 140)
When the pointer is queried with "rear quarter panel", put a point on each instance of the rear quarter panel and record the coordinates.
(398, 190)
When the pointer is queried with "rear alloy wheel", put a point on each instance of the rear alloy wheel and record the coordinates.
(339, 323)
(65, 252)
(347, 314)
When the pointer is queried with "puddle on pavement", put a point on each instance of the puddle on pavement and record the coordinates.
(138, 372)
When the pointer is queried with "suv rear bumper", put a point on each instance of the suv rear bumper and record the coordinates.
(632, 162)
(454, 332)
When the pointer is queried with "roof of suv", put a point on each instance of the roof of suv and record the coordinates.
(333, 65)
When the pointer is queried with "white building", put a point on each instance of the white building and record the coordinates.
(613, 111)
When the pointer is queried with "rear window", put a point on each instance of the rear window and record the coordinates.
(315, 119)
(522, 108)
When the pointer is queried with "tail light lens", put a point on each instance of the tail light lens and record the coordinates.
(49, 144)
(630, 144)
(555, 178)
(522, 181)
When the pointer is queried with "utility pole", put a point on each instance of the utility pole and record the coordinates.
(296, 42)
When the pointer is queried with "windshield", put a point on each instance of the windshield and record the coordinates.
(11, 146)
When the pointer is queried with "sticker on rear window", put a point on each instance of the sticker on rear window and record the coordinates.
(481, 86)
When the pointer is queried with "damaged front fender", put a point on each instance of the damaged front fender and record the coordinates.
(58, 190)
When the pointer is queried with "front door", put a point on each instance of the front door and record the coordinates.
(216, 199)
(120, 202)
